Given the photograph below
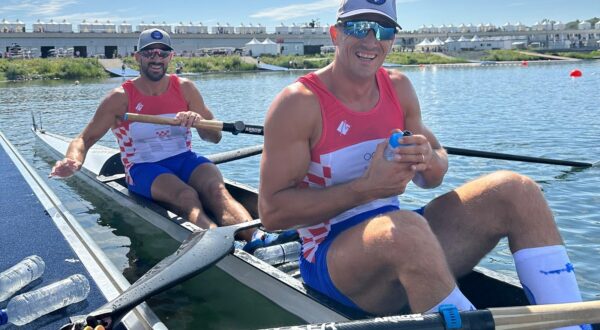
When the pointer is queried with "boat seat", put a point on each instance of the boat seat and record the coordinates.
(106, 179)
(112, 170)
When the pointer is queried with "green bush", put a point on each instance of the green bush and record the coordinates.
(64, 68)
(14, 71)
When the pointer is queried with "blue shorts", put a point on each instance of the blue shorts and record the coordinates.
(182, 165)
(316, 275)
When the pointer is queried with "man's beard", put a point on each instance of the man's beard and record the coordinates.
(153, 75)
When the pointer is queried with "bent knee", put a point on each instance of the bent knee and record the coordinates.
(215, 190)
(186, 196)
(513, 186)
(401, 230)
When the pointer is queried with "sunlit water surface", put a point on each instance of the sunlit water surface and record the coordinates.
(537, 111)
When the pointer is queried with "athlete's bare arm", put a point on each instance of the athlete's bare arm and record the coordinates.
(196, 104)
(108, 113)
(292, 126)
(431, 160)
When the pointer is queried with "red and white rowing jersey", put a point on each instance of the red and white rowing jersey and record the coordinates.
(145, 143)
(344, 151)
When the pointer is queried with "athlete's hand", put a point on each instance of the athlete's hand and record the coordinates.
(384, 178)
(416, 150)
(65, 168)
(188, 118)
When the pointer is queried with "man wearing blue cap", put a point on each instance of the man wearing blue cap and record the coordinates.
(158, 160)
(323, 171)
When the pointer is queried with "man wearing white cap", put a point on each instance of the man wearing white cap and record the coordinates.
(323, 171)
(158, 160)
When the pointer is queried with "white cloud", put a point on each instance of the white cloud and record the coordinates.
(295, 11)
(37, 7)
(304, 10)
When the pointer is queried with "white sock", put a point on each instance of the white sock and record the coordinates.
(456, 298)
(547, 276)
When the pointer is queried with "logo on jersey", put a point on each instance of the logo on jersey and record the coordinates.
(344, 127)
(139, 107)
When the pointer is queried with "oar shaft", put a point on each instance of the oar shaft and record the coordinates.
(534, 317)
(546, 316)
(496, 155)
(240, 127)
(214, 124)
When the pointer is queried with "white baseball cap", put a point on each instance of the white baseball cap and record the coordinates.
(386, 8)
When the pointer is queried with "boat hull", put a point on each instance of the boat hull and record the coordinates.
(103, 170)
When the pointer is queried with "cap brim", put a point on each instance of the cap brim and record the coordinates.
(157, 43)
(358, 12)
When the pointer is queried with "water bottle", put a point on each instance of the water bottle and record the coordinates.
(19, 275)
(28, 306)
(393, 143)
(280, 253)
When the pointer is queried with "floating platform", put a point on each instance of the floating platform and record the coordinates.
(118, 72)
(34, 221)
(114, 66)
(270, 67)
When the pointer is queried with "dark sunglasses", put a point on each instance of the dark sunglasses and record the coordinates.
(149, 53)
(360, 29)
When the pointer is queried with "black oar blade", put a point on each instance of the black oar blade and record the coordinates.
(496, 155)
(201, 250)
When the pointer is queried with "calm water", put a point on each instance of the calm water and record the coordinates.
(536, 110)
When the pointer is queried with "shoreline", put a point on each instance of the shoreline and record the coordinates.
(388, 65)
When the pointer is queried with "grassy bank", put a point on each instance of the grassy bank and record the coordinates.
(580, 55)
(56, 68)
(81, 68)
(508, 55)
(203, 64)
(421, 58)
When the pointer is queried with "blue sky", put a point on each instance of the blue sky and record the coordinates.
(411, 13)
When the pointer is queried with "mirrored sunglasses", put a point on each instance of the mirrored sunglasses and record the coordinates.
(149, 53)
(360, 29)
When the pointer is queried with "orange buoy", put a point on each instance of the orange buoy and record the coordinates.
(524, 63)
(575, 73)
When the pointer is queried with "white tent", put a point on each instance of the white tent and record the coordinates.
(254, 47)
(257, 48)
(425, 43)
(270, 47)
(437, 42)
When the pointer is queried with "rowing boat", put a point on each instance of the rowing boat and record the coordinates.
(281, 284)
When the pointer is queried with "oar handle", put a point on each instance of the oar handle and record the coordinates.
(235, 127)
(214, 124)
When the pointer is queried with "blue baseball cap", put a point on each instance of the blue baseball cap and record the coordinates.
(386, 8)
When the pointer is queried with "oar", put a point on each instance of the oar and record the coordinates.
(503, 318)
(227, 156)
(495, 155)
(240, 127)
(255, 150)
(201, 250)
(235, 127)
